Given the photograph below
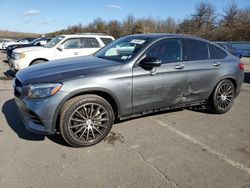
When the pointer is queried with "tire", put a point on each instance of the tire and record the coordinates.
(37, 62)
(222, 98)
(85, 120)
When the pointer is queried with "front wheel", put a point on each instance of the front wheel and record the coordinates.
(86, 120)
(222, 98)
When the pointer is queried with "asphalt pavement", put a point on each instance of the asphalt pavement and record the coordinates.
(180, 148)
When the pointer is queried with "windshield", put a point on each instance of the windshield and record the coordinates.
(35, 40)
(123, 49)
(54, 42)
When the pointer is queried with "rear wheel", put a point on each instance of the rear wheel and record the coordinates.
(222, 97)
(85, 120)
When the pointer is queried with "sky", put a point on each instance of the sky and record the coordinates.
(43, 16)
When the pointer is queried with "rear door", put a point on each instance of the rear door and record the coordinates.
(90, 46)
(161, 86)
(203, 70)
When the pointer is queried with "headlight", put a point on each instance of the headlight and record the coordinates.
(18, 56)
(43, 90)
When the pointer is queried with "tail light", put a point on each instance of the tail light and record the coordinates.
(241, 66)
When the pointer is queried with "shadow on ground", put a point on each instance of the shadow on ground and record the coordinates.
(10, 111)
(247, 77)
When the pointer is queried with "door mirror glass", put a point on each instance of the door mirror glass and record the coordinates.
(150, 62)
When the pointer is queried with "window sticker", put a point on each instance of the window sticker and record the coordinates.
(137, 41)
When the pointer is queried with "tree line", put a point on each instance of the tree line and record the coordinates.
(233, 24)
(17, 35)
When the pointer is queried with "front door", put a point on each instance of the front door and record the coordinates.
(69, 48)
(161, 86)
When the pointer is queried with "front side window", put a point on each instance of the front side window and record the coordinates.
(73, 43)
(124, 48)
(195, 50)
(168, 50)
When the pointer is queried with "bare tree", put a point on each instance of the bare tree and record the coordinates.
(114, 28)
(229, 22)
(233, 24)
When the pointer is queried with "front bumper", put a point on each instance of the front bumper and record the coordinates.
(11, 65)
(39, 115)
(14, 65)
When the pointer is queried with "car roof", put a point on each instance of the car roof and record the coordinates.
(87, 35)
(166, 35)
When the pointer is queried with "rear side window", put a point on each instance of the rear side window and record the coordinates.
(168, 50)
(106, 41)
(90, 43)
(216, 53)
(195, 50)
(220, 53)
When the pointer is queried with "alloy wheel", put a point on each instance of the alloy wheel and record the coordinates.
(88, 122)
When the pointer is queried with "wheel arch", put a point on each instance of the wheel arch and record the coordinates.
(231, 78)
(110, 98)
(43, 59)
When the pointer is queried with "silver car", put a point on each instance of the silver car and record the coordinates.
(135, 75)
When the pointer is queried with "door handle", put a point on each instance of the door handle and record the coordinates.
(76, 53)
(216, 64)
(179, 66)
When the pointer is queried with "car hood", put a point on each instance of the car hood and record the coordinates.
(65, 69)
(18, 46)
(35, 48)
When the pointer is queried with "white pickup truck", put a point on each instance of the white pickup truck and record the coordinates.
(63, 46)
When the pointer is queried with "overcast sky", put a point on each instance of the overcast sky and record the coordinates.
(41, 16)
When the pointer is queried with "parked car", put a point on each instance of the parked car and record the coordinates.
(20, 41)
(2, 41)
(238, 53)
(81, 97)
(36, 42)
(63, 46)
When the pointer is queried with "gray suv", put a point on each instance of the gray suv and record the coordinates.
(135, 75)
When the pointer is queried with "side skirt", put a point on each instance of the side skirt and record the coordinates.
(181, 105)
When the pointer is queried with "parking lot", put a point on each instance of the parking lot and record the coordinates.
(181, 148)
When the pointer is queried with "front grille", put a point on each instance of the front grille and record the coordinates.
(18, 83)
(9, 53)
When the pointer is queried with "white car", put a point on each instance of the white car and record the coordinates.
(4, 41)
(63, 46)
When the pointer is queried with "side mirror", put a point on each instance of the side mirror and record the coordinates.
(150, 62)
(38, 44)
(60, 47)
